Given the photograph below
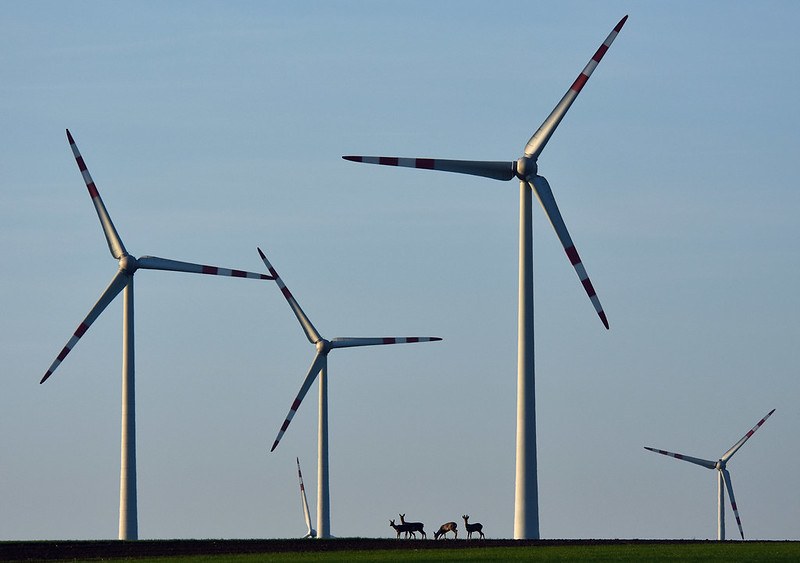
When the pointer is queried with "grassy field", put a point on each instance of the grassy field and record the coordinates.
(243, 551)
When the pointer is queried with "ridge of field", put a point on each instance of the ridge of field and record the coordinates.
(363, 549)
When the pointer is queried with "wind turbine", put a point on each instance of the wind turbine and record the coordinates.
(319, 366)
(123, 282)
(723, 476)
(312, 533)
(526, 501)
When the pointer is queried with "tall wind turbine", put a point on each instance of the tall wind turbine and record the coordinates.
(123, 282)
(723, 476)
(311, 533)
(526, 498)
(319, 366)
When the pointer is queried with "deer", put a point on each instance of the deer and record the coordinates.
(400, 529)
(444, 528)
(476, 527)
(414, 526)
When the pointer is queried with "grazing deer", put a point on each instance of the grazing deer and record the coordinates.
(444, 528)
(476, 527)
(400, 529)
(414, 526)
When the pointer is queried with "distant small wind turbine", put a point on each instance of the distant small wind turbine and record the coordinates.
(320, 367)
(312, 533)
(123, 282)
(525, 168)
(723, 476)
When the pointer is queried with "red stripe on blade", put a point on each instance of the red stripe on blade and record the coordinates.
(353, 158)
(426, 163)
(572, 254)
(81, 330)
(238, 274)
(388, 160)
(210, 270)
(600, 52)
(92, 190)
(286, 293)
(81, 163)
(579, 82)
(63, 354)
(389, 340)
(587, 285)
(620, 24)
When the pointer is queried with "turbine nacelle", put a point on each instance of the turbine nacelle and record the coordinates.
(128, 264)
(323, 346)
(525, 168)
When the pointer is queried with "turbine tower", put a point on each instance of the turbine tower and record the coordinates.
(526, 498)
(319, 366)
(123, 282)
(723, 476)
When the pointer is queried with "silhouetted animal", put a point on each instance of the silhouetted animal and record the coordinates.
(400, 529)
(476, 527)
(414, 526)
(444, 528)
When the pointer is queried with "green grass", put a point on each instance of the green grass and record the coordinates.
(705, 552)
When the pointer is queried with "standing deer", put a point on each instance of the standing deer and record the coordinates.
(414, 526)
(476, 527)
(444, 528)
(399, 529)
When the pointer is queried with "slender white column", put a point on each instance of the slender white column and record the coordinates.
(526, 494)
(323, 485)
(721, 506)
(128, 520)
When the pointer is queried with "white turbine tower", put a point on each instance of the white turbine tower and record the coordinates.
(311, 533)
(123, 282)
(526, 501)
(723, 476)
(320, 366)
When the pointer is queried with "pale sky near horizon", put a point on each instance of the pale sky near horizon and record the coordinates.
(212, 128)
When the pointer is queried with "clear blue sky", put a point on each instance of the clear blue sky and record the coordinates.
(211, 128)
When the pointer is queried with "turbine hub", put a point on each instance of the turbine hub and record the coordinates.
(720, 464)
(128, 264)
(323, 346)
(525, 167)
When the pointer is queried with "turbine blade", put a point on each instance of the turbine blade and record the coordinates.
(539, 139)
(306, 512)
(156, 263)
(728, 485)
(542, 190)
(740, 443)
(117, 284)
(316, 366)
(112, 238)
(349, 342)
(488, 169)
(311, 332)
(696, 460)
